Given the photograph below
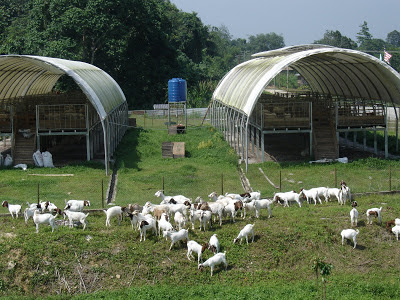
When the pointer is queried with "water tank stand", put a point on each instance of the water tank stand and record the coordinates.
(177, 110)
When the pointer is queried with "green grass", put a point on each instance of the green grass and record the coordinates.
(111, 263)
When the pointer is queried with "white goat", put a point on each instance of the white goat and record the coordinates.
(44, 219)
(145, 225)
(287, 197)
(194, 216)
(111, 212)
(213, 244)
(376, 212)
(230, 210)
(396, 230)
(350, 234)
(311, 194)
(263, 203)
(217, 259)
(344, 194)
(164, 224)
(180, 220)
(205, 218)
(14, 209)
(76, 216)
(193, 246)
(29, 212)
(176, 236)
(354, 216)
(76, 205)
(332, 192)
(217, 210)
(178, 198)
(245, 232)
(249, 206)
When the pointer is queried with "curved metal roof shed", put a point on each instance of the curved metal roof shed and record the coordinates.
(334, 74)
(25, 76)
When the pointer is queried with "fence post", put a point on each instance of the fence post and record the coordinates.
(222, 183)
(280, 180)
(390, 179)
(163, 185)
(102, 193)
(335, 178)
(38, 193)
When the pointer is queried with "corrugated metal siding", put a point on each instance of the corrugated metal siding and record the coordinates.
(328, 70)
(22, 75)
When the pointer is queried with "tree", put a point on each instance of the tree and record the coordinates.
(325, 270)
(363, 35)
(393, 38)
(336, 39)
(265, 42)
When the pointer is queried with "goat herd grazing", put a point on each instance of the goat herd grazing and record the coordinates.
(157, 218)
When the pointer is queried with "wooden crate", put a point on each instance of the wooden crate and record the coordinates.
(173, 149)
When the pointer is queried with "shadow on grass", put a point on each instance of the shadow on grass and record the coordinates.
(127, 155)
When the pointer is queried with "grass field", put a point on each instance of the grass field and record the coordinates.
(111, 262)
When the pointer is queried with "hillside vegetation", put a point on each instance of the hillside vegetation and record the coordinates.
(111, 263)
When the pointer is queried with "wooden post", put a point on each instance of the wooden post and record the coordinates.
(222, 183)
(102, 193)
(38, 193)
(163, 184)
(335, 178)
(280, 181)
(390, 179)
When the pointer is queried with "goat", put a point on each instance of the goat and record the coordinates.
(134, 219)
(76, 216)
(376, 212)
(396, 231)
(165, 199)
(205, 218)
(194, 216)
(213, 244)
(263, 203)
(230, 209)
(176, 236)
(180, 220)
(193, 246)
(114, 211)
(286, 197)
(344, 193)
(245, 232)
(44, 219)
(145, 225)
(157, 210)
(217, 210)
(332, 192)
(29, 211)
(350, 234)
(311, 194)
(164, 224)
(249, 206)
(135, 207)
(76, 205)
(217, 259)
(354, 216)
(14, 209)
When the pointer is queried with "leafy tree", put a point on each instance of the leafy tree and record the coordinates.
(363, 35)
(265, 42)
(336, 39)
(393, 38)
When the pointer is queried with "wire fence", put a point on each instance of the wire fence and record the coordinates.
(162, 118)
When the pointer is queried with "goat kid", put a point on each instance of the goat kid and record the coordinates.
(374, 212)
(353, 216)
(44, 219)
(217, 259)
(193, 246)
(245, 232)
(350, 234)
(14, 209)
(176, 236)
(213, 244)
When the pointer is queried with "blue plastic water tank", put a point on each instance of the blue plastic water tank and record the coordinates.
(173, 90)
(177, 90)
(182, 90)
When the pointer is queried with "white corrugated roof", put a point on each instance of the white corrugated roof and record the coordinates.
(328, 70)
(22, 75)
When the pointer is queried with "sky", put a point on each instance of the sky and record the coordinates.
(299, 22)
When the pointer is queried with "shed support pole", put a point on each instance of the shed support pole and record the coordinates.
(37, 129)
(311, 130)
(386, 133)
(87, 133)
(365, 140)
(247, 143)
(375, 142)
